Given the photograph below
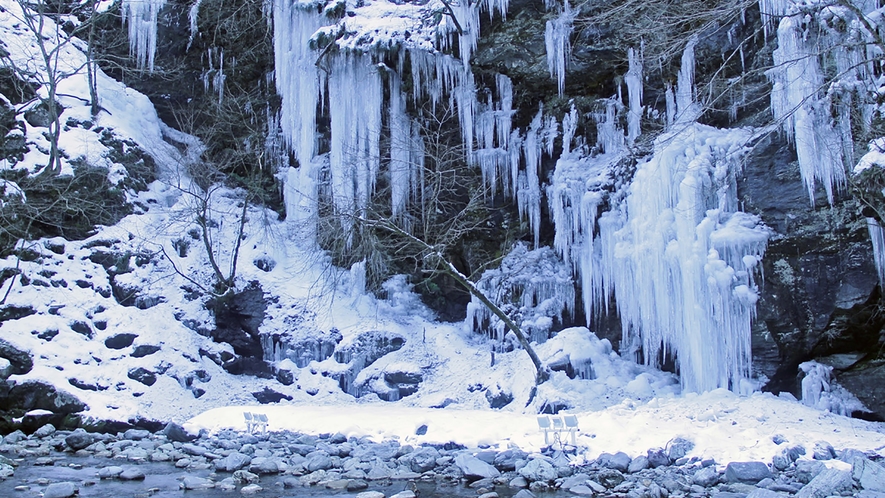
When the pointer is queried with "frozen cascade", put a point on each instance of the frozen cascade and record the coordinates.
(877, 236)
(633, 79)
(557, 43)
(297, 78)
(531, 284)
(141, 15)
(355, 96)
(796, 102)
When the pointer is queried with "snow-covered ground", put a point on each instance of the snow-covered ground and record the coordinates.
(624, 407)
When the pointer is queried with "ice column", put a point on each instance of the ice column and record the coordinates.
(633, 79)
(687, 110)
(141, 15)
(877, 236)
(558, 45)
(400, 148)
(355, 95)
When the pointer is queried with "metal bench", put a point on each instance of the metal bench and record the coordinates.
(255, 422)
(557, 425)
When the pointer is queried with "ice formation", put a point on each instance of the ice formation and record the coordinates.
(141, 16)
(556, 40)
(821, 392)
(533, 286)
(877, 236)
(633, 79)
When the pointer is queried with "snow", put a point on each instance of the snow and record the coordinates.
(676, 240)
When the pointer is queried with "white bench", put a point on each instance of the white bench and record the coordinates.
(557, 425)
(255, 422)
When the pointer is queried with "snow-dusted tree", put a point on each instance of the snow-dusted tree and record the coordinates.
(47, 63)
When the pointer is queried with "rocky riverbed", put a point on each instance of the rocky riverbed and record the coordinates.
(171, 462)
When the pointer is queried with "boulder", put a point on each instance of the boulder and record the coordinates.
(318, 460)
(657, 457)
(177, 433)
(828, 483)
(637, 464)
(38, 395)
(233, 462)
(746, 472)
(868, 474)
(474, 468)
(538, 470)
(19, 360)
(506, 460)
(619, 461)
(136, 434)
(60, 490)
(5, 369)
(142, 375)
(423, 459)
(132, 474)
(610, 478)
(193, 483)
(120, 341)
(79, 439)
(823, 451)
(706, 477)
(678, 448)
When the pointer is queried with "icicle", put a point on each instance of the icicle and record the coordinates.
(219, 78)
(355, 95)
(569, 128)
(141, 15)
(795, 101)
(529, 193)
(687, 109)
(670, 100)
(556, 40)
(400, 148)
(297, 78)
(609, 137)
(633, 79)
(192, 16)
(877, 236)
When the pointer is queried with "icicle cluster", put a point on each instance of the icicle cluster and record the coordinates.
(556, 40)
(633, 79)
(533, 286)
(141, 16)
(877, 236)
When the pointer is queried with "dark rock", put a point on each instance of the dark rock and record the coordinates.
(13, 312)
(136, 434)
(48, 335)
(638, 463)
(620, 461)
(423, 459)
(657, 457)
(421, 430)
(746, 472)
(79, 439)
(33, 395)
(270, 396)
(39, 116)
(264, 264)
(20, 360)
(498, 398)
(79, 384)
(286, 377)
(175, 432)
(82, 328)
(610, 478)
(120, 341)
(142, 375)
(706, 477)
(143, 350)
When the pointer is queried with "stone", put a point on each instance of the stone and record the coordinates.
(60, 490)
(79, 439)
(657, 457)
(193, 449)
(868, 474)
(120, 341)
(233, 462)
(265, 466)
(706, 477)
(142, 375)
(356, 485)
(110, 472)
(763, 493)
(637, 464)
(678, 448)
(405, 494)
(610, 478)
(823, 451)
(45, 431)
(39, 395)
(538, 470)
(245, 477)
(19, 360)
(619, 461)
(175, 432)
(582, 490)
(132, 474)
(806, 470)
(370, 494)
(518, 482)
(250, 489)
(828, 482)
(474, 468)
(318, 460)
(423, 459)
(5, 368)
(505, 461)
(136, 434)
(524, 493)
(143, 350)
(746, 472)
